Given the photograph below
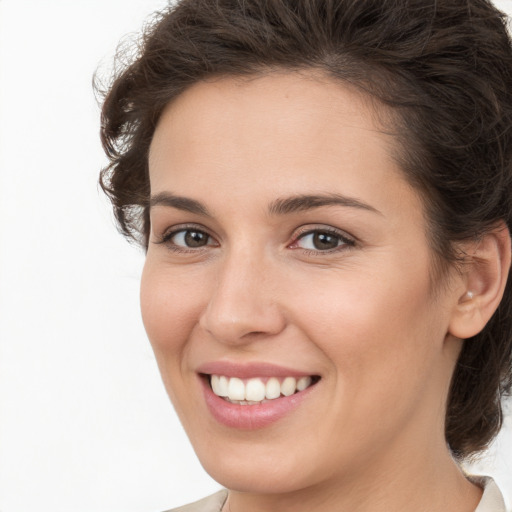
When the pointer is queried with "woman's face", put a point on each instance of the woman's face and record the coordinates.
(285, 244)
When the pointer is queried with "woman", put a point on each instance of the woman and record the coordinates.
(323, 189)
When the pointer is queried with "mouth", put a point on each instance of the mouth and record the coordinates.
(255, 395)
(258, 390)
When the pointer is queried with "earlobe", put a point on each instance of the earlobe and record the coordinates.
(485, 275)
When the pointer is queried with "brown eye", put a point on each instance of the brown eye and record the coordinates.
(325, 241)
(190, 238)
(195, 239)
(319, 240)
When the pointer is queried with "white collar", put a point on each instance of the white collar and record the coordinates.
(492, 499)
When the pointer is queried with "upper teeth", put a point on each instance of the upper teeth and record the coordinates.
(256, 390)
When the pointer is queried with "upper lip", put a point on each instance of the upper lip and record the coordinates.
(249, 370)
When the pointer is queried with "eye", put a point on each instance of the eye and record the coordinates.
(322, 240)
(189, 238)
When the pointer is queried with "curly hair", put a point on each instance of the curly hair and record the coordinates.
(444, 71)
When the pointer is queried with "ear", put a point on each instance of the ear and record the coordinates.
(484, 276)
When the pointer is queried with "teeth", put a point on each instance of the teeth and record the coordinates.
(288, 386)
(223, 386)
(214, 382)
(236, 389)
(219, 385)
(255, 391)
(272, 389)
(303, 383)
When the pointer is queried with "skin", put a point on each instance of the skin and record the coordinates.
(365, 316)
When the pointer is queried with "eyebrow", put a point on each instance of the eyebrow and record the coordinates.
(180, 203)
(300, 203)
(282, 206)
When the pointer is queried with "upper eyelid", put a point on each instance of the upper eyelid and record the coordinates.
(312, 228)
(171, 231)
(347, 240)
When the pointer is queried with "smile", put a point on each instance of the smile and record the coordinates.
(257, 390)
(249, 396)
(253, 396)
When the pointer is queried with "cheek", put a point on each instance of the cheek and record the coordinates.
(372, 330)
(170, 308)
(382, 355)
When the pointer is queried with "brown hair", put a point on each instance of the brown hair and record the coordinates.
(443, 68)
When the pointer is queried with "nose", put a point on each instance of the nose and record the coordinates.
(243, 304)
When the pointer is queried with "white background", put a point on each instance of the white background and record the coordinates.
(85, 424)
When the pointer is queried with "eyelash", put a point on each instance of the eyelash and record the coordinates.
(346, 242)
(166, 239)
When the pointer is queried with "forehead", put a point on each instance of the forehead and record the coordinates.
(286, 132)
(257, 111)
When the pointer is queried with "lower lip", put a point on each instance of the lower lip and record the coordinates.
(251, 417)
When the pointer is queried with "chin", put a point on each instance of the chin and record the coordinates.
(256, 478)
(257, 468)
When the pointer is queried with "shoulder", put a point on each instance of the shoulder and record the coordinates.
(492, 499)
(213, 503)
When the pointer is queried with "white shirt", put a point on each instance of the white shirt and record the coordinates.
(492, 499)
